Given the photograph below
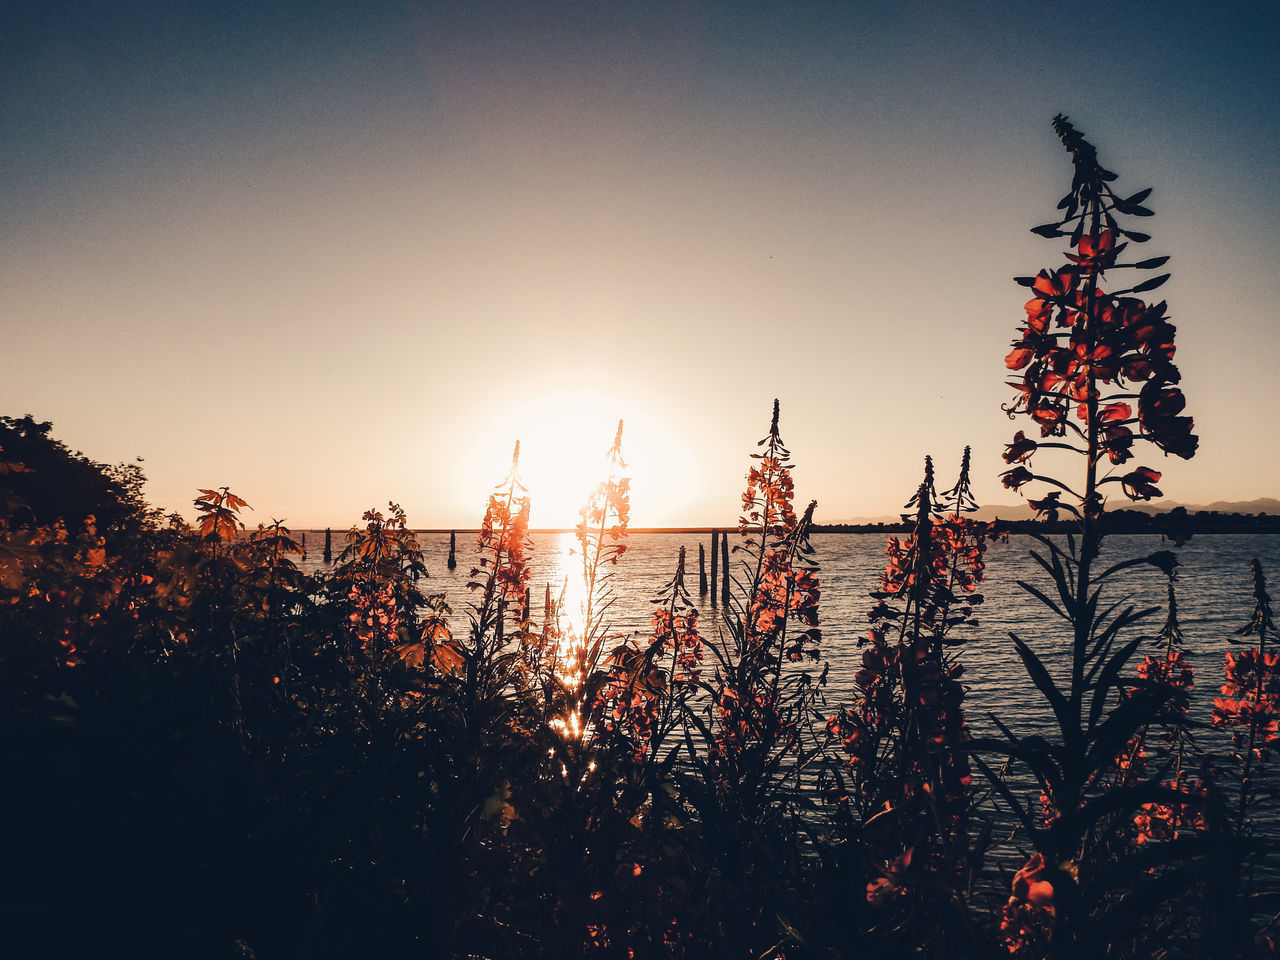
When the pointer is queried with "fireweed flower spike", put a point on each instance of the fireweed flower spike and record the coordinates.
(501, 578)
(1083, 352)
(906, 735)
(503, 538)
(1092, 370)
(777, 619)
(601, 534)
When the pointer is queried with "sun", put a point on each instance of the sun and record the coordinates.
(562, 467)
(564, 442)
(565, 435)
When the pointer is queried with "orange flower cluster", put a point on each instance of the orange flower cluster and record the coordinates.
(769, 494)
(1172, 679)
(1173, 672)
(1250, 701)
(1164, 821)
(678, 639)
(503, 535)
(906, 682)
(786, 594)
(630, 698)
(779, 621)
(890, 885)
(1026, 925)
(374, 616)
(1078, 339)
(1077, 336)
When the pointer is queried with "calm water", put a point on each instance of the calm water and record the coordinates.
(1214, 597)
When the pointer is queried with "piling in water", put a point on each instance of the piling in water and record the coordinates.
(702, 571)
(715, 563)
(328, 545)
(453, 548)
(724, 576)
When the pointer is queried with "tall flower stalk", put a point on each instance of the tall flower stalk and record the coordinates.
(905, 735)
(757, 734)
(1085, 356)
(774, 619)
(601, 534)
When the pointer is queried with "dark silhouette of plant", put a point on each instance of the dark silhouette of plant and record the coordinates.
(1085, 355)
(1250, 702)
(643, 690)
(907, 780)
(53, 483)
(601, 534)
(757, 738)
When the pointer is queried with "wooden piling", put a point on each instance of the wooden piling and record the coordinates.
(702, 571)
(453, 549)
(715, 564)
(724, 562)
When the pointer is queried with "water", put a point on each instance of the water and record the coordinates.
(1214, 591)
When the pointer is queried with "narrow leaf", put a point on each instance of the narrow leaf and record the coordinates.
(1151, 284)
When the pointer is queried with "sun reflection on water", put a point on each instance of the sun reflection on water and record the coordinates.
(568, 593)
(569, 596)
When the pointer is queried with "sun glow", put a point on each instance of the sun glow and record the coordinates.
(564, 442)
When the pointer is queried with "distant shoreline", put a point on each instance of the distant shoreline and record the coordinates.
(1118, 522)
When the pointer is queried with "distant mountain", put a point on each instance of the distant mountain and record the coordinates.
(1020, 510)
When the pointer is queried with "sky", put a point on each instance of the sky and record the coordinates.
(333, 254)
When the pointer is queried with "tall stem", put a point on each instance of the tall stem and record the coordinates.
(1091, 510)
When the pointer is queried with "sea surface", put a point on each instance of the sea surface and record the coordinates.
(1214, 595)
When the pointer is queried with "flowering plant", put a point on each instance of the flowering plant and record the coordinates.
(1095, 376)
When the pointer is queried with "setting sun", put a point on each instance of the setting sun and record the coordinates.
(564, 442)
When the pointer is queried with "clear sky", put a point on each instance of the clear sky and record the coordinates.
(332, 254)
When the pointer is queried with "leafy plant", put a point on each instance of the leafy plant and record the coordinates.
(904, 793)
(1084, 355)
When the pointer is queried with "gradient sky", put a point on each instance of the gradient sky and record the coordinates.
(332, 254)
